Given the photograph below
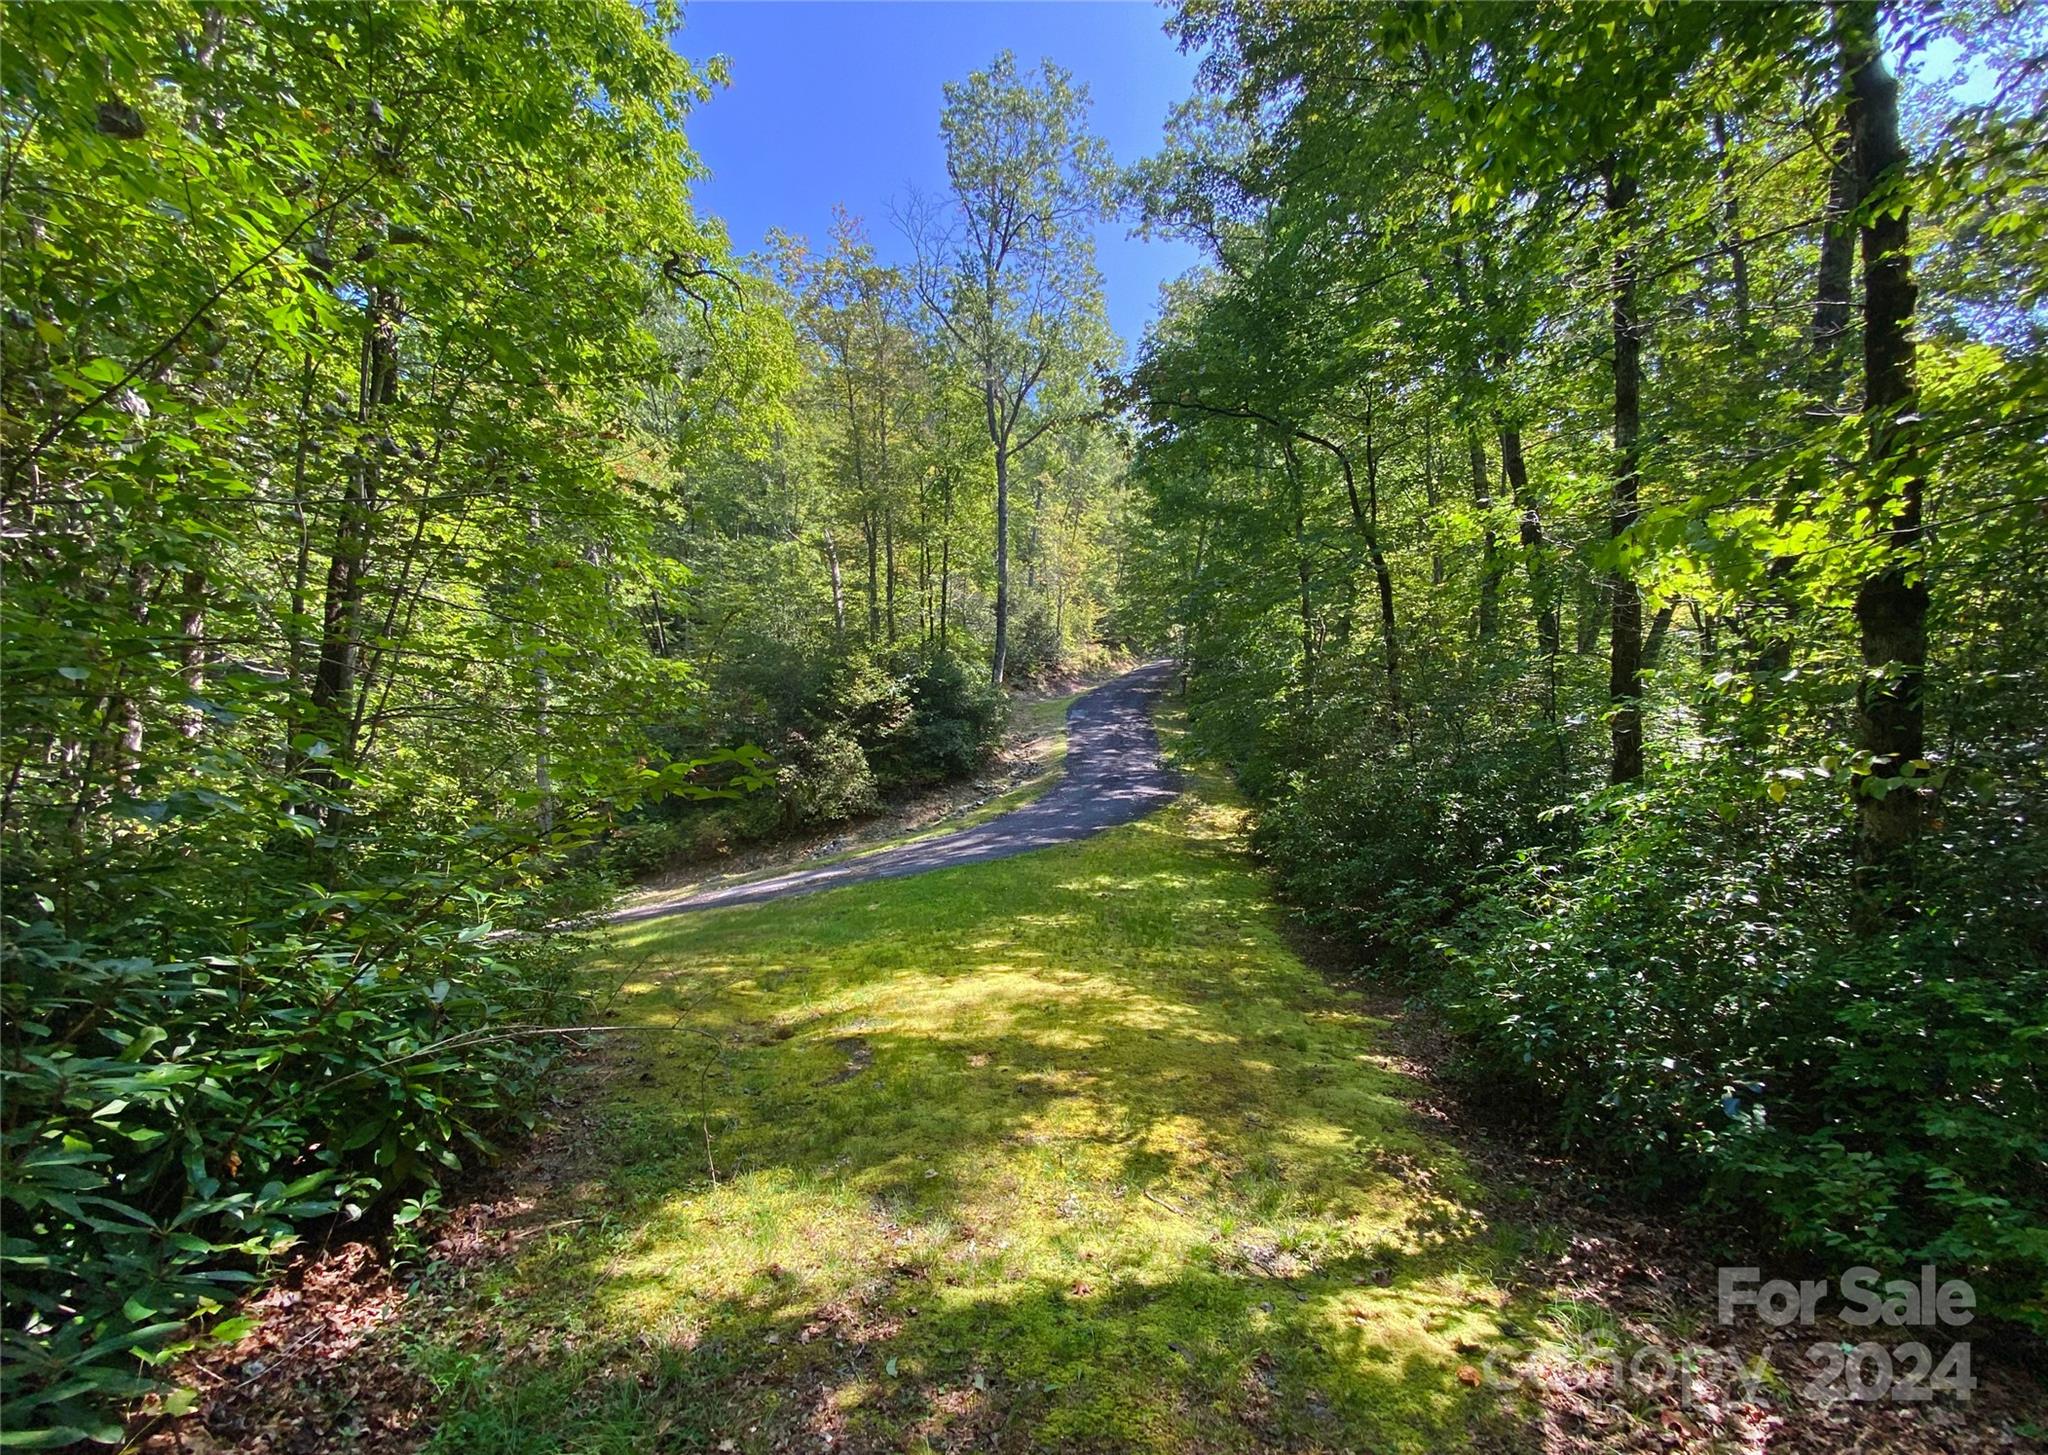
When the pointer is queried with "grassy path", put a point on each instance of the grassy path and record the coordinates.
(1068, 1151)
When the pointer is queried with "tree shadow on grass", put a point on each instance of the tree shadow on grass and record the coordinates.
(1066, 1153)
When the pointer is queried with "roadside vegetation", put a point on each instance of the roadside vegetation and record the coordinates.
(1596, 490)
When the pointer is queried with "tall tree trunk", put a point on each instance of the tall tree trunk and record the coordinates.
(1000, 436)
(871, 538)
(1542, 590)
(1431, 492)
(1383, 579)
(889, 555)
(1586, 633)
(334, 675)
(1831, 310)
(1365, 516)
(543, 693)
(1660, 627)
(838, 585)
(1489, 544)
(192, 652)
(1302, 572)
(888, 505)
(924, 564)
(1731, 227)
(1891, 603)
(295, 628)
(1625, 644)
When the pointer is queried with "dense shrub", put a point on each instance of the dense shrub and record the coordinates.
(847, 728)
(223, 1060)
(1386, 855)
(956, 721)
(1684, 981)
(824, 778)
(1688, 991)
(1035, 645)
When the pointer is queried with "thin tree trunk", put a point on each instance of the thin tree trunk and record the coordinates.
(1586, 636)
(1542, 591)
(1489, 544)
(334, 676)
(870, 537)
(1431, 492)
(1383, 579)
(1831, 311)
(1365, 516)
(838, 585)
(295, 628)
(1891, 603)
(1301, 566)
(1731, 226)
(1625, 644)
(924, 564)
(1660, 627)
(1001, 655)
(543, 691)
(192, 652)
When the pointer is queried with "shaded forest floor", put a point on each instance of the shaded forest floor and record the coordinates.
(1074, 1151)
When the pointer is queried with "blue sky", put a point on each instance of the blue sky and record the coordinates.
(839, 102)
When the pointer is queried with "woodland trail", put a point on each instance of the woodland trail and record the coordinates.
(1114, 775)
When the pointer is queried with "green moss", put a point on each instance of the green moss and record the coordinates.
(1066, 1151)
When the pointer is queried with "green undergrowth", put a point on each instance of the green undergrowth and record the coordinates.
(1069, 1151)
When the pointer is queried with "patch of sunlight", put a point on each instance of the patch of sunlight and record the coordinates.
(1119, 1167)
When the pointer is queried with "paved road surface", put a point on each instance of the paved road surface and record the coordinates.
(1113, 775)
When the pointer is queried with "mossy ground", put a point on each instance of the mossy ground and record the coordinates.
(1068, 1151)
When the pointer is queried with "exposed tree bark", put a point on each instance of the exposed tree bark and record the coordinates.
(1303, 573)
(1536, 551)
(1432, 493)
(1541, 592)
(945, 555)
(871, 539)
(888, 506)
(1489, 543)
(1731, 226)
(1383, 580)
(838, 585)
(889, 555)
(1592, 608)
(543, 693)
(1625, 631)
(999, 434)
(192, 652)
(1831, 310)
(1660, 627)
(1891, 603)
(295, 628)
(334, 676)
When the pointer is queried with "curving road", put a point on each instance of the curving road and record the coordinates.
(1113, 775)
